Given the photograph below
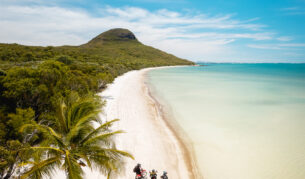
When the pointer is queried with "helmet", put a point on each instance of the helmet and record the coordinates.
(164, 172)
(153, 171)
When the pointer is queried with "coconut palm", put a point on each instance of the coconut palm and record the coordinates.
(71, 142)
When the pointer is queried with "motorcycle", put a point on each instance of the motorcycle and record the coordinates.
(143, 175)
(153, 174)
(164, 176)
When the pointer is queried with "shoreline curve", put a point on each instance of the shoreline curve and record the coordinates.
(183, 141)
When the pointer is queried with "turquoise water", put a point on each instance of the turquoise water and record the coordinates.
(246, 121)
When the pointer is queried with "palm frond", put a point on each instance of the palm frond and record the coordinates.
(42, 168)
(81, 124)
(103, 127)
(73, 168)
(61, 118)
(82, 108)
(46, 148)
(119, 152)
(103, 138)
(47, 131)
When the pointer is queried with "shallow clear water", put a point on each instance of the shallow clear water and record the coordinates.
(247, 121)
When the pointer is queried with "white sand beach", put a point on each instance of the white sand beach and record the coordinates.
(148, 137)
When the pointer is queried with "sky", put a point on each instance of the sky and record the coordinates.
(249, 31)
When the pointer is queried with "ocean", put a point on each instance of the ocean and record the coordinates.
(246, 121)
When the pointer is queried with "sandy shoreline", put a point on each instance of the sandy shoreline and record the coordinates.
(184, 142)
(155, 140)
(150, 137)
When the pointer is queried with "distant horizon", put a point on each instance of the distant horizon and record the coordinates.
(251, 62)
(268, 32)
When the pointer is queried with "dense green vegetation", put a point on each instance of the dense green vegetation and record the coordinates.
(48, 103)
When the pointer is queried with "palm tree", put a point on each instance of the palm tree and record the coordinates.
(71, 142)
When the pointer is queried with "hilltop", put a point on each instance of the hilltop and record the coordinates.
(113, 35)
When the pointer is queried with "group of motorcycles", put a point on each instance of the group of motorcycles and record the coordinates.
(142, 174)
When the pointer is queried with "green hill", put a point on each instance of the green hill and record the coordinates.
(115, 51)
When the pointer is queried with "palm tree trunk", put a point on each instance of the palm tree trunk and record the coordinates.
(108, 175)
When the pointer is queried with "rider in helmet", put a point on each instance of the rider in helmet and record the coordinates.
(164, 176)
(137, 169)
(153, 174)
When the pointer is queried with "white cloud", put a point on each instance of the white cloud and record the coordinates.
(265, 46)
(290, 8)
(282, 46)
(293, 10)
(292, 45)
(192, 36)
(284, 38)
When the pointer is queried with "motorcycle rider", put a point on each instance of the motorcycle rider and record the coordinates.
(153, 174)
(137, 169)
(164, 176)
